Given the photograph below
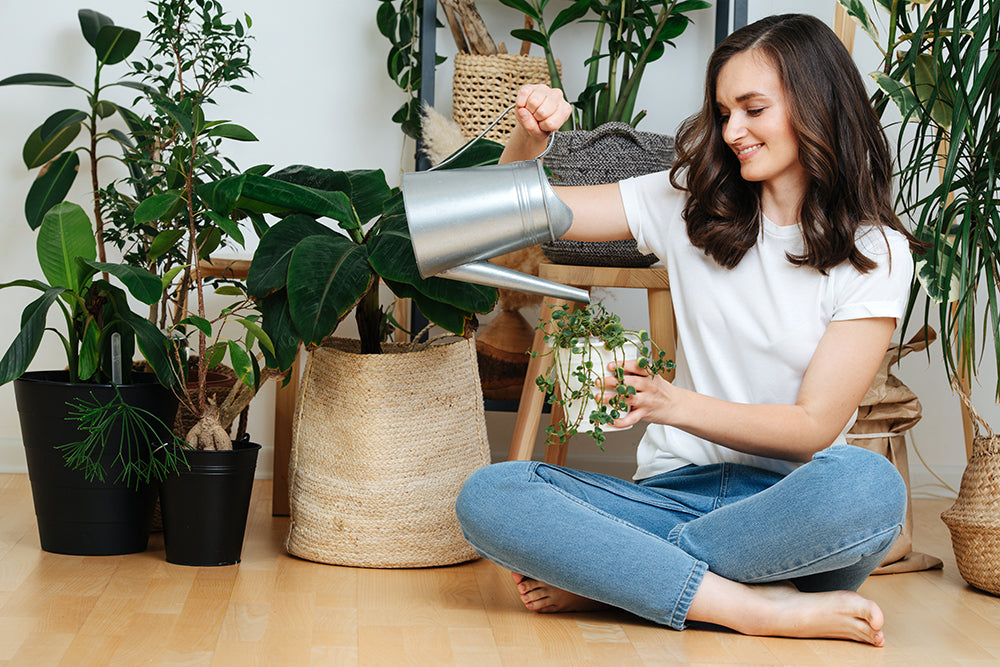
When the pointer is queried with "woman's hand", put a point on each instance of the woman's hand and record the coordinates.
(653, 400)
(541, 110)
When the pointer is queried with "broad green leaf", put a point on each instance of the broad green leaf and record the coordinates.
(221, 195)
(391, 255)
(327, 276)
(21, 352)
(156, 349)
(199, 323)
(570, 14)
(91, 23)
(90, 349)
(169, 276)
(532, 36)
(856, 10)
(64, 235)
(228, 225)
(277, 196)
(232, 131)
(240, 360)
(933, 91)
(524, 7)
(207, 241)
(38, 151)
(366, 189)
(269, 268)
(277, 322)
(899, 93)
(37, 79)
(140, 283)
(115, 44)
(258, 333)
(180, 116)
(60, 120)
(51, 187)
(163, 206)
(229, 290)
(164, 241)
(446, 316)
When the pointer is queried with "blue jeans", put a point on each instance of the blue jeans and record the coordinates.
(645, 547)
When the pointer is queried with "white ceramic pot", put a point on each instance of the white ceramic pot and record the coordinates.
(568, 360)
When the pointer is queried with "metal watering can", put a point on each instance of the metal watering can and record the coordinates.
(459, 218)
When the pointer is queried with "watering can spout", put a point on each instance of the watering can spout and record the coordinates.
(485, 273)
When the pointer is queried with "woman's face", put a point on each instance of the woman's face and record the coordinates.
(755, 121)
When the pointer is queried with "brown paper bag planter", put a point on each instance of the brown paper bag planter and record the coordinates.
(888, 410)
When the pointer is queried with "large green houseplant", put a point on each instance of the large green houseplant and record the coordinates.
(941, 69)
(95, 415)
(152, 215)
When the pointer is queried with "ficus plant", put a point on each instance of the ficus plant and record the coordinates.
(628, 36)
(580, 340)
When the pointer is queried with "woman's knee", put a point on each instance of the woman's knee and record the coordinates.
(489, 490)
(868, 479)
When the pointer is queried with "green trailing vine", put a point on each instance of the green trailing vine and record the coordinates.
(568, 333)
(137, 429)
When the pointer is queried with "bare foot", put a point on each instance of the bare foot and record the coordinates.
(545, 599)
(780, 610)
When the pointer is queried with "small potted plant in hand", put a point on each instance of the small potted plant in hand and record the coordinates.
(583, 343)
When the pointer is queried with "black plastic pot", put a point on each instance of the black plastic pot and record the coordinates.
(76, 516)
(205, 507)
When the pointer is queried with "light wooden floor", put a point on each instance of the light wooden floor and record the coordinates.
(276, 610)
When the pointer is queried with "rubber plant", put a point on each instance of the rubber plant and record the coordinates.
(628, 36)
(340, 235)
(581, 342)
(101, 331)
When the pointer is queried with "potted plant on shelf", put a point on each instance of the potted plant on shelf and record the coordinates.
(582, 343)
(385, 432)
(600, 144)
(103, 503)
(940, 71)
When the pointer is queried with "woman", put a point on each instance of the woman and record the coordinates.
(789, 272)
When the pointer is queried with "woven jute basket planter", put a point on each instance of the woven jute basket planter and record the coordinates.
(608, 154)
(483, 86)
(382, 444)
(974, 519)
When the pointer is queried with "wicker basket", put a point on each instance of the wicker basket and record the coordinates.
(382, 444)
(974, 519)
(483, 86)
(607, 154)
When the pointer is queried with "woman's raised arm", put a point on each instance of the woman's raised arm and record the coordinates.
(598, 214)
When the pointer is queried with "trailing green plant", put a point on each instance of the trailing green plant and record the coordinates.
(399, 21)
(574, 336)
(941, 69)
(137, 429)
(628, 36)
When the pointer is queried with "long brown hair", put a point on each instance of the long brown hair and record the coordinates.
(842, 148)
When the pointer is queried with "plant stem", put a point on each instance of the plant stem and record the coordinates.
(369, 318)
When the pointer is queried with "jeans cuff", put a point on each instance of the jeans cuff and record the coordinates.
(679, 614)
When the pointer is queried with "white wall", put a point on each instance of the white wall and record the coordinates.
(322, 97)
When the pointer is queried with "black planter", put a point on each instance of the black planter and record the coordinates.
(76, 516)
(205, 507)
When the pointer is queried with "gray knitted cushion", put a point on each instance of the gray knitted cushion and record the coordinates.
(612, 152)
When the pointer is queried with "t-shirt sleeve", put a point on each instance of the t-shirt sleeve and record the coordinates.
(883, 291)
(651, 203)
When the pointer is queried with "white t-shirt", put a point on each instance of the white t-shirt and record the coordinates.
(747, 334)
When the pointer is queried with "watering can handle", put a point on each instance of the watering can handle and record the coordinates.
(482, 134)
